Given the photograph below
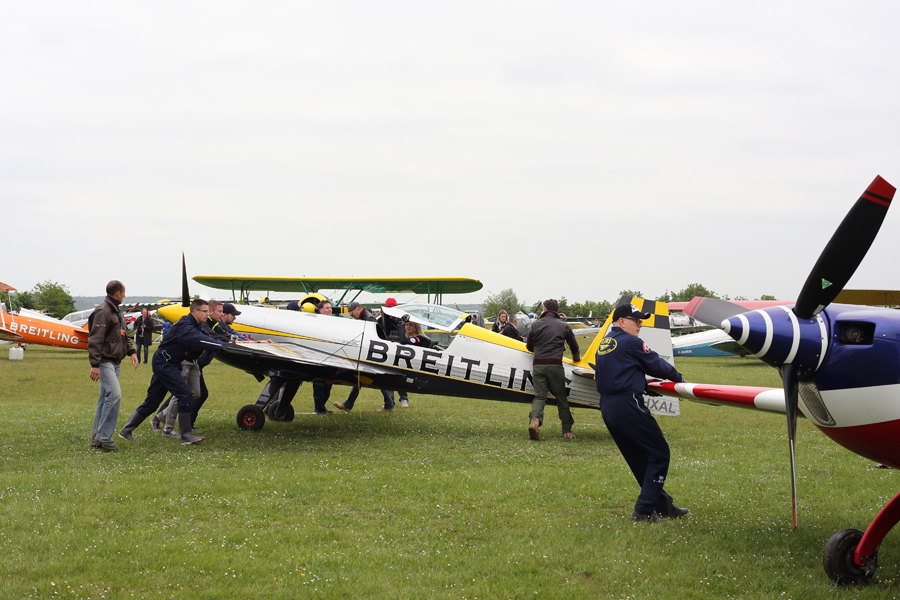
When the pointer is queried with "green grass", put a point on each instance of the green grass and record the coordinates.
(447, 499)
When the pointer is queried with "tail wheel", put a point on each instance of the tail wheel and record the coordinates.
(283, 413)
(838, 559)
(251, 418)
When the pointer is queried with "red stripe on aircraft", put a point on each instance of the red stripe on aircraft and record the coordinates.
(876, 441)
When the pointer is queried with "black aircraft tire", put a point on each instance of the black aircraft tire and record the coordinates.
(838, 559)
(283, 413)
(251, 418)
(270, 409)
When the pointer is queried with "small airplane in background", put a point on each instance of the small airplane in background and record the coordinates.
(840, 365)
(130, 313)
(30, 327)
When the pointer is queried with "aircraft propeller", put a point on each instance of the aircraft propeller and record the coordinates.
(712, 311)
(795, 341)
(836, 265)
(185, 294)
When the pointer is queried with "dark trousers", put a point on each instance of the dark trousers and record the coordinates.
(321, 392)
(641, 442)
(166, 378)
(551, 379)
(138, 346)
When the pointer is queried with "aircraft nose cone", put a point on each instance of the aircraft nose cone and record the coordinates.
(726, 326)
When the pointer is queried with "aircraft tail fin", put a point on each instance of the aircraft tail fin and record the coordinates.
(656, 330)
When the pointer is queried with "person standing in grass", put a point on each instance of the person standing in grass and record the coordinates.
(547, 340)
(108, 344)
(143, 333)
(623, 361)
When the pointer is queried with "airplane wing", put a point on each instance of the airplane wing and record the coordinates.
(741, 396)
(260, 358)
(434, 286)
(10, 336)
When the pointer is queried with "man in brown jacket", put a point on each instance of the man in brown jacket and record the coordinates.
(547, 339)
(108, 344)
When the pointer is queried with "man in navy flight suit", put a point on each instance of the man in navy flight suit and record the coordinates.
(186, 340)
(622, 361)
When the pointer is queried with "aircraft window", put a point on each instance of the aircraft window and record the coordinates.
(432, 313)
(857, 333)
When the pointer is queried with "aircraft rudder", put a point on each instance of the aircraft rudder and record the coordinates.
(657, 328)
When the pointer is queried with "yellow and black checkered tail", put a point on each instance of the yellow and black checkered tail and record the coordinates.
(659, 320)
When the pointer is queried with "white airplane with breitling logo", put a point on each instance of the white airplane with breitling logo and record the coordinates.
(477, 363)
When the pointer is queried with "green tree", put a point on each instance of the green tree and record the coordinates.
(685, 295)
(506, 300)
(767, 297)
(22, 300)
(52, 297)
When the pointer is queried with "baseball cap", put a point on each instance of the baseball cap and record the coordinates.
(293, 305)
(390, 302)
(353, 306)
(629, 311)
(229, 309)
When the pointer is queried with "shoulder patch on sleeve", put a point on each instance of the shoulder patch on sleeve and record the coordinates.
(646, 347)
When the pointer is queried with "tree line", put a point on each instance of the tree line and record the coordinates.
(49, 297)
(508, 301)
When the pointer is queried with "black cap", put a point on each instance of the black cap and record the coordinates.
(229, 309)
(353, 306)
(629, 311)
(293, 305)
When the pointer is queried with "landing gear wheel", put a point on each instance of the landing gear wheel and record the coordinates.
(270, 409)
(282, 413)
(838, 559)
(251, 418)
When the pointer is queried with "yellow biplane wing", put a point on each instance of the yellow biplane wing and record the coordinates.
(434, 287)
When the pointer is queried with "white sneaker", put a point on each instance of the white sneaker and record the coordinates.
(404, 404)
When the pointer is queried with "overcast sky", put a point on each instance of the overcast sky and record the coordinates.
(576, 148)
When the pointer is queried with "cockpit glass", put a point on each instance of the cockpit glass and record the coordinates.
(432, 315)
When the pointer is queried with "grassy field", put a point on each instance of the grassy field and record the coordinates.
(446, 499)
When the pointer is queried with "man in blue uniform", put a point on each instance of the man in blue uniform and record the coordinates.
(622, 362)
(186, 340)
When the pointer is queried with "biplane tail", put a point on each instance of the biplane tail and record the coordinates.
(656, 330)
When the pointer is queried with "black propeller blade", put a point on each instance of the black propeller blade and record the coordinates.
(845, 250)
(791, 400)
(712, 311)
(185, 294)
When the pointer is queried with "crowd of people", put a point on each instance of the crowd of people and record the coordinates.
(621, 365)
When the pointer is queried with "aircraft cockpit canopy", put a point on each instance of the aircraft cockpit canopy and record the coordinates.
(431, 316)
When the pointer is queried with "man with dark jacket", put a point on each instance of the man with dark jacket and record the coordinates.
(143, 333)
(192, 372)
(186, 340)
(108, 344)
(623, 361)
(547, 340)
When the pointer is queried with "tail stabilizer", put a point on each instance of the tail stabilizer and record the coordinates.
(656, 330)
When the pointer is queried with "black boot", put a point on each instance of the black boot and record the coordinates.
(133, 421)
(187, 437)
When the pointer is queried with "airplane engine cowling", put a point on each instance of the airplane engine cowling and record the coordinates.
(776, 336)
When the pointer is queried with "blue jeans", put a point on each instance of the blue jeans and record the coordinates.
(354, 393)
(108, 404)
(146, 347)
